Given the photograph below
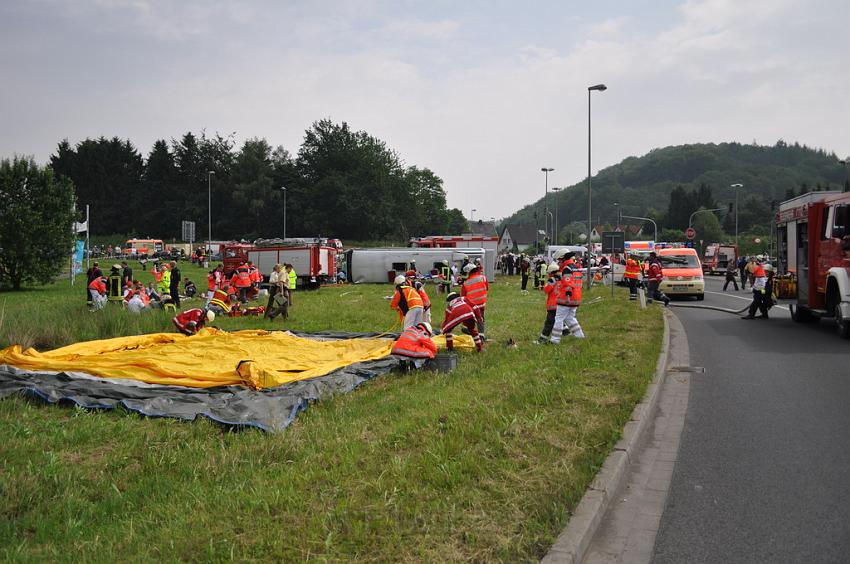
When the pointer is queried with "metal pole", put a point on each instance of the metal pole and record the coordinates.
(88, 232)
(654, 225)
(589, 216)
(209, 211)
(284, 210)
(555, 191)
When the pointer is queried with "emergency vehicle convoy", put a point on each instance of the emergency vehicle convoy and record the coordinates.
(813, 236)
(314, 260)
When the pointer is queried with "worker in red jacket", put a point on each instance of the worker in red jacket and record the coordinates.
(460, 311)
(415, 343)
(97, 291)
(568, 301)
(191, 321)
(654, 276)
(551, 291)
(475, 289)
(241, 280)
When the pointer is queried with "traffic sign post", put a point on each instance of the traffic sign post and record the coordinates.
(690, 233)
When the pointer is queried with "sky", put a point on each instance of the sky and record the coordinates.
(485, 94)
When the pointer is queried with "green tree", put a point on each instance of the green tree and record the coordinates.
(36, 222)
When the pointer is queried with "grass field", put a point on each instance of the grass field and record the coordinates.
(484, 463)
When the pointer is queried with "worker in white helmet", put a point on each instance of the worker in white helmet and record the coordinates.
(407, 302)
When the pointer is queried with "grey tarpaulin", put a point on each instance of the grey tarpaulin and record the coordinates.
(234, 406)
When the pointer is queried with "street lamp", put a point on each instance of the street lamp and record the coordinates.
(649, 219)
(736, 186)
(284, 210)
(600, 88)
(846, 182)
(209, 211)
(691, 219)
(555, 190)
(546, 171)
(617, 213)
(472, 216)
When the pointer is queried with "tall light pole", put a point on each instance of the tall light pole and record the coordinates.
(209, 210)
(546, 171)
(555, 191)
(649, 219)
(617, 212)
(284, 210)
(472, 215)
(843, 163)
(590, 89)
(736, 186)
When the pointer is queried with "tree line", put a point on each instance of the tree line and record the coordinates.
(341, 183)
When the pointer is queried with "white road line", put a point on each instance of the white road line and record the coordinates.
(742, 298)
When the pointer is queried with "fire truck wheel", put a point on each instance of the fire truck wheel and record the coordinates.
(801, 314)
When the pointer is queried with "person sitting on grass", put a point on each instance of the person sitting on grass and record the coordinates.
(191, 321)
(189, 288)
(415, 344)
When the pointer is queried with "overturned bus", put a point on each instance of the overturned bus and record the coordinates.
(381, 265)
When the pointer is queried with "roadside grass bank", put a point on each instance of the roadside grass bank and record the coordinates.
(483, 463)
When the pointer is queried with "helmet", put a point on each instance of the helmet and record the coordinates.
(410, 273)
(210, 316)
(478, 261)
(452, 296)
(552, 268)
(559, 254)
(400, 279)
(469, 268)
(445, 262)
(760, 257)
(427, 326)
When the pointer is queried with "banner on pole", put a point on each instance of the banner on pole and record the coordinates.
(79, 252)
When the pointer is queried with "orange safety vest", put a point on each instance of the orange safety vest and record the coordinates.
(475, 289)
(405, 299)
(212, 281)
(551, 289)
(758, 271)
(632, 269)
(415, 342)
(98, 284)
(241, 278)
(221, 299)
(254, 274)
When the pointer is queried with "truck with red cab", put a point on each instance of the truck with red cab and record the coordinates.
(314, 260)
(813, 237)
(717, 257)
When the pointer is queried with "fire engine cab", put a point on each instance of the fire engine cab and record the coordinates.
(813, 236)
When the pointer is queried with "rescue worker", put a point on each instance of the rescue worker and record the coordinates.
(541, 274)
(460, 310)
(97, 292)
(524, 267)
(241, 280)
(407, 302)
(164, 280)
(220, 300)
(415, 344)
(761, 298)
(256, 279)
(445, 284)
(419, 286)
(274, 286)
(215, 279)
(92, 274)
(114, 284)
(551, 290)
(191, 321)
(189, 288)
(632, 275)
(567, 302)
(174, 282)
(475, 289)
(654, 275)
(126, 274)
(291, 282)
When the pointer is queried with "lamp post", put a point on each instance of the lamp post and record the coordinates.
(736, 186)
(846, 182)
(546, 171)
(472, 215)
(617, 213)
(209, 210)
(284, 210)
(555, 190)
(590, 89)
(652, 221)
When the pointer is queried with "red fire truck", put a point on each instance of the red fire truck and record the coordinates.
(717, 256)
(813, 236)
(314, 260)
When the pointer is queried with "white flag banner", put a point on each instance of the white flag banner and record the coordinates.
(80, 227)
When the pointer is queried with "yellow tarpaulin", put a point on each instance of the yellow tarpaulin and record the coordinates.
(258, 359)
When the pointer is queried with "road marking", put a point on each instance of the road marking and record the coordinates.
(742, 298)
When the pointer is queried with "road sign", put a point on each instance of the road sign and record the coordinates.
(613, 242)
(189, 231)
(690, 233)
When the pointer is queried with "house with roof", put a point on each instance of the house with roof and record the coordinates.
(516, 236)
(481, 227)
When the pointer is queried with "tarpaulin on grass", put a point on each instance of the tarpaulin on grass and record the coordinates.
(64, 378)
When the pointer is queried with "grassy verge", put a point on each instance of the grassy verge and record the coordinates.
(484, 463)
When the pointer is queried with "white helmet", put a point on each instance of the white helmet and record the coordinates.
(478, 261)
(445, 262)
(469, 268)
(427, 326)
(210, 316)
(760, 258)
(552, 268)
(559, 254)
(400, 279)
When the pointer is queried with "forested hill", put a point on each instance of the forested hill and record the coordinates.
(642, 186)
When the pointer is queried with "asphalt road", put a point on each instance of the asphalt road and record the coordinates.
(763, 473)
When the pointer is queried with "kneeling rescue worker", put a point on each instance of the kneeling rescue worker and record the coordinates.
(191, 321)
(416, 344)
(460, 311)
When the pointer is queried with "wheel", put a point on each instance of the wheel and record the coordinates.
(800, 314)
(700, 297)
(842, 323)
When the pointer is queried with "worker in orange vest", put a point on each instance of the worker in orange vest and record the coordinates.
(632, 276)
(415, 344)
(551, 290)
(97, 291)
(568, 301)
(407, 301)
(419, 286)
(475, 289)
(241, 280)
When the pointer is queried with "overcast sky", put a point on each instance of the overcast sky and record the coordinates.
(484, 93)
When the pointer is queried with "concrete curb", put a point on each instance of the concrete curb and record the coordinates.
(573, 542)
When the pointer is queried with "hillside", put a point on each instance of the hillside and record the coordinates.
(642, 185)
